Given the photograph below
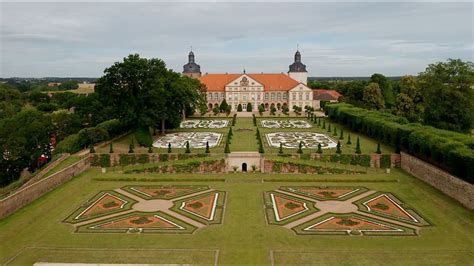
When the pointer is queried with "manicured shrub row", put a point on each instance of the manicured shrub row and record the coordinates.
(291, 167)
(91, 135)
(451, 151)
(353, 159)
(102, 160)
(143, 136)
(130, 159)
(189, 167)
(234, 119)
(178, 179)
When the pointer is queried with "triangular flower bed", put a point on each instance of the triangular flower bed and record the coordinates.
(282, 208)
(387, 205)
(163, 192)
(102, 204)
(206, 208)
(325, 193)
(139, 222)
(351, 224)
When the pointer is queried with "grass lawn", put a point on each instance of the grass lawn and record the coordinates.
(37, 233)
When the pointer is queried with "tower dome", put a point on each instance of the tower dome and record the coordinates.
(297, 70)
(192, 69)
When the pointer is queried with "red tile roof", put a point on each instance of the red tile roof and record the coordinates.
(326, 95)
(271, 82)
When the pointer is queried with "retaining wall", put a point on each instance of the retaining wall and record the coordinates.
(30, 193)
(450, 185)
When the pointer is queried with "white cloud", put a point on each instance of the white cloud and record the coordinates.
(336, 39)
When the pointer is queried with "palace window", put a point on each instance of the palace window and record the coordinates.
(272, 96)
(258, 96)
(266, 96)
(293, 96)
(300, 96)
(216, 96)
(279, 96)
(307, 96)
(284, 96)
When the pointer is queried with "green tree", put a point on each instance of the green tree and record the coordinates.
(188, 150)
(341, 136)
(223, 106)
(410, 101)
(338, 148)
(385, 87)
(249, 107)
(150, 149)
(207, 147)
(261, 109)
(91, 148)
(69, 85)
(373, 98)
(320, 149)
(300, 148)
(358, 150)
(215, 110)
(272, 110)
(169, 147)
(349, 142)
(228, 110)
(378, 151)
(111, 148)
(143, 92)
(239, 108)
(449, 96)
(280, 151)
(130, 148)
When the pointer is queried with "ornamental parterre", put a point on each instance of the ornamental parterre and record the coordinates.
(195, 123)
(195, 139)
(285, 124)
(177, 209)
(292, 140)
(312, 210)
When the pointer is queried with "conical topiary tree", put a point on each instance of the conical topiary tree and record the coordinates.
(349, 142)
(227, 148)
(169, 147)
(358, 150)
(111, 148)
(300, 148)
(207, 147)
(188, 150)
(281, 148)
(91, 148)
(320, 149)
(335, 131)
(341, 135)
(324, 124)
(379, 151)
(150, 149)
(130, 148)
(329, 128)
(319, 121)
(338, 148)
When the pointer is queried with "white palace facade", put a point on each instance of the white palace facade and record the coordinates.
(276, 89)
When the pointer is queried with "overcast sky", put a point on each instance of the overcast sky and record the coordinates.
(335, 39)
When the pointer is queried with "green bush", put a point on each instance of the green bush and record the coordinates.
(143, 136)
(451, 151)
(385, 161)
(70, 144)
(113, 127)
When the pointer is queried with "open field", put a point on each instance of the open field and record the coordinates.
(37, 232)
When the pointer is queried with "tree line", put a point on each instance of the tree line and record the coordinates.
(135, 94)
(441, 96)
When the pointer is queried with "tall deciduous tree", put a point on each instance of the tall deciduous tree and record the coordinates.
(373, 97)
(410, 100)
(385, 87)
(143, 92)
(447, 87)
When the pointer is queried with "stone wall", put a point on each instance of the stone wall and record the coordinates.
(30, 193)
(450, 185)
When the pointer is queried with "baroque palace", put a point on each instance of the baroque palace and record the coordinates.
(277, 89)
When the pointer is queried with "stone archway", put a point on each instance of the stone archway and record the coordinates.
(210, 106)
(244, 167)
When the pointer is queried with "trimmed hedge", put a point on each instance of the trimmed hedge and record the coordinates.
(143, 136)
(451, 151)
(91, 135)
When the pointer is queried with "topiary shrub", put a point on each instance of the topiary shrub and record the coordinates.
(143, 136)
